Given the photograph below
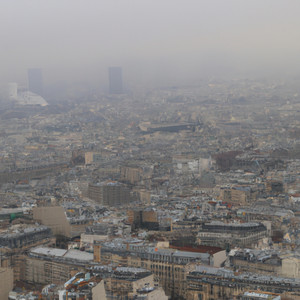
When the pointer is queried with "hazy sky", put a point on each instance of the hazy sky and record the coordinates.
(150, 39)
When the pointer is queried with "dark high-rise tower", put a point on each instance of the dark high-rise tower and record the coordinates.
(115, 80)
(35, 81)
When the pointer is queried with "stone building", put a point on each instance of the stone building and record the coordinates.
(17, 240)
(238, 195)
(226, 235)
(143, 219)
(92, 157)
(25, 236)
(132, 175)
(208, 283)
(6, 282)
(109, 193)
(133, 283)
(168, 265)
(53, 217)
(257, 261)
(45, 265)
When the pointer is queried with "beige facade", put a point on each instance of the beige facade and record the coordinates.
(143, 218)
(206, 287)
(92, 157)
(53, 217)
(170, 275)
(52, 265)
(6, 282)
(150, 216)
(237, 195)
(15, 258)
(88, 157)
(257, 267)
(291, 267)
(219, 258)
(157, 294)
(130, 174)
(98, 292)
(97, 253)
(117, 287)
(44, 272)
(139, 284)
(145, 196)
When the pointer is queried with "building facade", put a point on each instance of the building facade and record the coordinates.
(226, 235)
(109, 194)
(6, 282)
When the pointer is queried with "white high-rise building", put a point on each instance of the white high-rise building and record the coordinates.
(12, 90)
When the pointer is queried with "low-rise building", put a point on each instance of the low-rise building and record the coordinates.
(50, 265)
(167, 264)
(257, 261)
(219, 283)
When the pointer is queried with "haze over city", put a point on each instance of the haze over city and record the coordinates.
(157, 43)
(149, 150)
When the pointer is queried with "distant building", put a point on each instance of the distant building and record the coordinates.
(143, 219)
(110, 194)
(30, 98)
(131, 175)
(238, 195)
(92, 157)
(144, 196)
(274, 187)
(12, 90)
(168, 127)
(35, 81)
(223, 235)
(115, 80)
(98, 232)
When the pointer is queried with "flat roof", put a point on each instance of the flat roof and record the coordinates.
(80, 255)
(49, 251)
(71, 254)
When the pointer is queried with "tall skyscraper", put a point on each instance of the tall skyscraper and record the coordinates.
(115, 80)
(35, 81)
